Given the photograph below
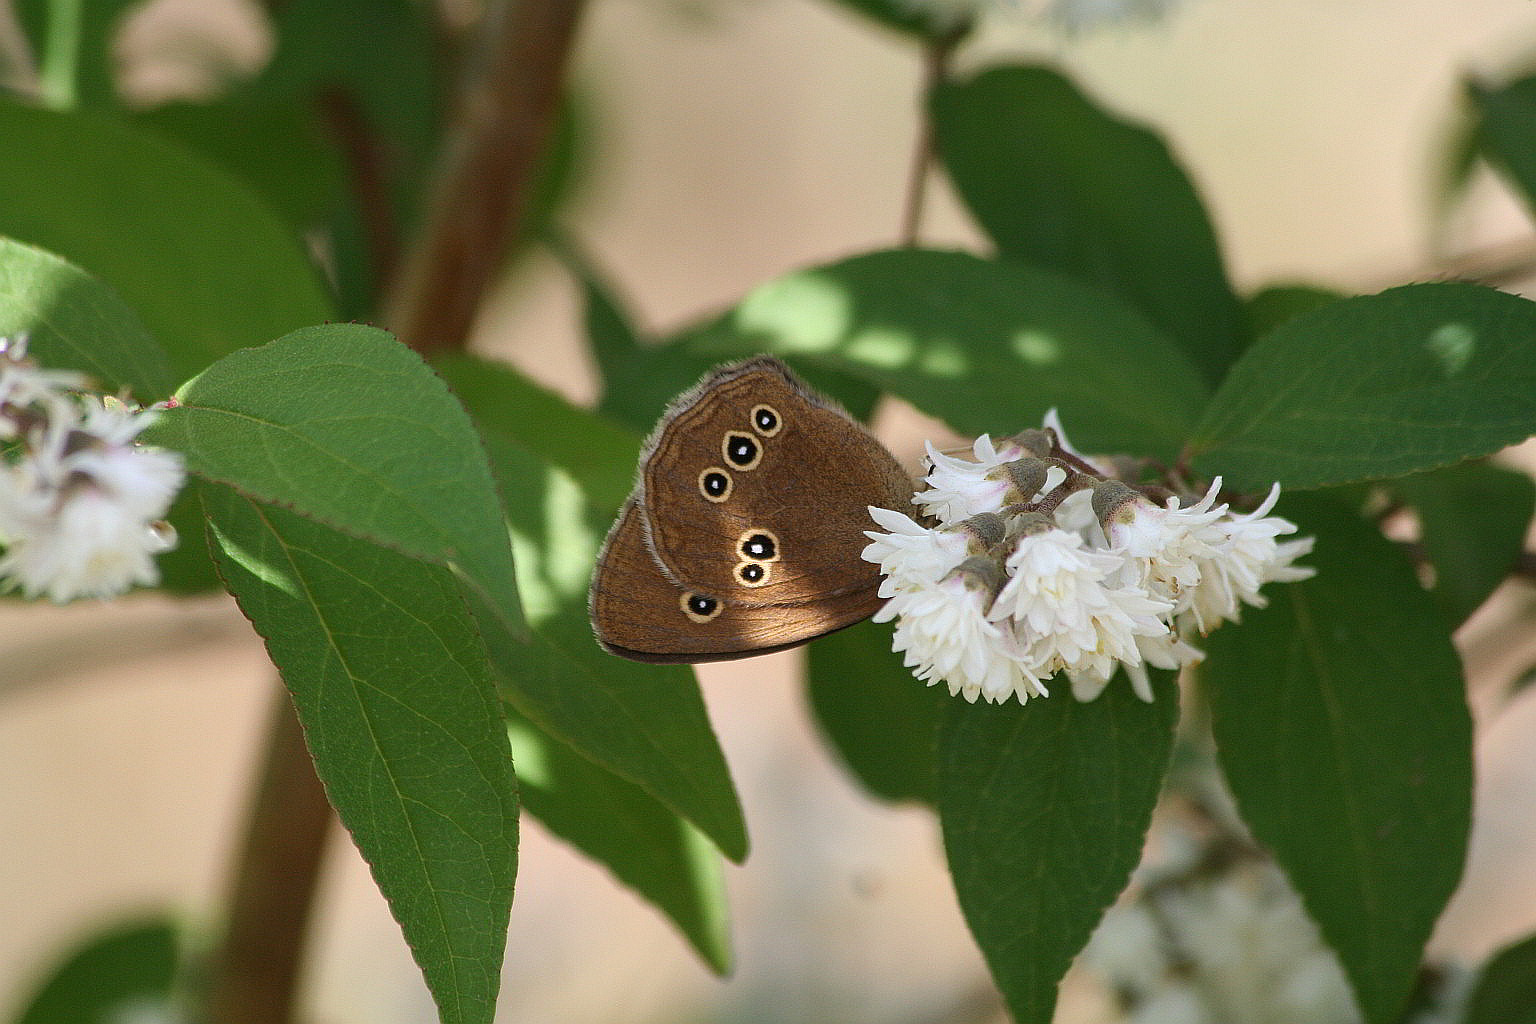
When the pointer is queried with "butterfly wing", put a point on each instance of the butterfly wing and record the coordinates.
(756, 489)
(640, 614)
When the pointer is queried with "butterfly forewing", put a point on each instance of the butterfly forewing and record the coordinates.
(744, 531)
(758, 489)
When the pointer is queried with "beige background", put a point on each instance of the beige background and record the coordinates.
(738, 139)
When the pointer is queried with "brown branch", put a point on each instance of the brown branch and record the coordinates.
(253, 979)
(491, 161)
(935, 70)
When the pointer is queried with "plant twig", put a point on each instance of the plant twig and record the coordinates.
(492, 157)
(253, 979)
(935, 70)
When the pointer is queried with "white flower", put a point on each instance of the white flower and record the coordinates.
(89, 547)
(23, 382)
(911, 555)
(1166, 546)
(944, 631)
(80, 503)
(960, 488)
(1207, 561)
(1063, 603)
(1247, 557)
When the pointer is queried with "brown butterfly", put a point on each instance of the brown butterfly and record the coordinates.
(743, 533)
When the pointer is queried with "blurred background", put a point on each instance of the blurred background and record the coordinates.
(729, 141)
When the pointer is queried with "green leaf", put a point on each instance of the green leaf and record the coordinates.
(206, 265)
(618, 824)
(347, 426)
(1383, 385)
(1504, 115)
(278, 148)
(74, 322)
(1343, 731)
(122, 970)
(986, 345)
(374, 66)
(1473, 518)
(1057, 181)
(645, 723)
(1273, 306)
(1045, 808)
(398, 705)
(1506, 987)
(600, 456)
(882, 721)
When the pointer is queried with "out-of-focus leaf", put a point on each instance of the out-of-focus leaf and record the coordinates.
(882, 721)
(1506, 988)
(986, 345)
(206, 265)
(123, 970)
(621, 826)
(1473, 518)
(1057, 181)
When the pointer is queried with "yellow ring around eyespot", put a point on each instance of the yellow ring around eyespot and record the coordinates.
(773, 539)
(757, 449)
(730, 484)
(687, 595)
(767, 573)
(778, 421)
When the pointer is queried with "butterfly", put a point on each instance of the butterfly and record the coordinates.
(744, 529)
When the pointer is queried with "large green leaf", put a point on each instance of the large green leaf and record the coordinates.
(121, 970)
(645, 723)
(1045, 808)
(393, 688)
(347, 426)
(206, 265)
(882, 721)
(1473, 518)
(1378, 386)
(618, 824)
(75, 322)
(1343, 731)
(1057, 181)
(987, 345)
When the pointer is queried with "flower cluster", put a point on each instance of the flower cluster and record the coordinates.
(81, 503)
(1029, 559)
